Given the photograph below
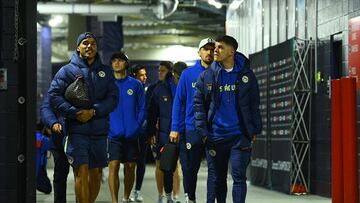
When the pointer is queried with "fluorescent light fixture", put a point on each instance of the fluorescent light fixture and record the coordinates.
(217, 5)
(55, 21)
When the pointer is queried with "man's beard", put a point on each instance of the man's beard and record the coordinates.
(120, 71)
(208, 62)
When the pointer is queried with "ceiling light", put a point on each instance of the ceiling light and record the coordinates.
(55, 21)
(217, 5)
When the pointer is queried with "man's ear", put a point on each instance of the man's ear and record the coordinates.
(233, 51)
(77, 49)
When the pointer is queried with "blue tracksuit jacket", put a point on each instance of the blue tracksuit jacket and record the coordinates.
(160, 108)
(184, 98)
(127, 118)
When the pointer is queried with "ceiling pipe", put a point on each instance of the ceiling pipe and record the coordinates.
(91, 9)
(162, 10)
(166, 8)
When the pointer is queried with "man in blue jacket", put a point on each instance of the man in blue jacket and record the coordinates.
(160, 110)
(86, 125)
(191, 147)
(61, 165)
(139, 72)
(125, 125)
(227, 116)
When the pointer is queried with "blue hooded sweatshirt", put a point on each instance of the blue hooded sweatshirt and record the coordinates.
(226, 121)
(184, 97)
(127, 118)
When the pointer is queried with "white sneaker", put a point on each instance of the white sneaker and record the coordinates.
(125, 200)
(161, 199)
(169, 198)
(176, 199)
(137, 196)
(132, 198)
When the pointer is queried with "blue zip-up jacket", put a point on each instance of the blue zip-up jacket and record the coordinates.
(47, 114)
(184, 98)
(103, 95)
(207, 99)
(127, 118)
(160, 108)
(49, 118)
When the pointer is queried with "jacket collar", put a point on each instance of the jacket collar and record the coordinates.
(76, 60)
(241, 65)
(198, 65)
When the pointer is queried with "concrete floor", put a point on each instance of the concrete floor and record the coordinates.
(149, 191)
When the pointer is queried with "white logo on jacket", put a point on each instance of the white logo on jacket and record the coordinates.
(101, 74)
(245, 79)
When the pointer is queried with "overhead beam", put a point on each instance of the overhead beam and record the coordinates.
(92, 9)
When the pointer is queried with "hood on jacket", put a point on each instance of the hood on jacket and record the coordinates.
(240, 61)
(82, 63)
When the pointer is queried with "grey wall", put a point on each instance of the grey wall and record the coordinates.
(258, 24)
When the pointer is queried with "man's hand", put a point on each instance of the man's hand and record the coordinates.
(85, 115)
(253, 138)
(57, 128)
(174, 136)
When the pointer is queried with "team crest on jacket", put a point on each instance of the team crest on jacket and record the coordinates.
(101, 74)
(212, 152)
(130, 91)
(70, 159)
(245, 79)
(188, 145)
(165, 98)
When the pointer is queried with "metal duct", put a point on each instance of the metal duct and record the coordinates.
(91, 9)
(164, 9)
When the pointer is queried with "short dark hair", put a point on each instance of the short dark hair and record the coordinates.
(119, 55)
(167, 64)
(228, 40)
(135, 69)
(179, 67)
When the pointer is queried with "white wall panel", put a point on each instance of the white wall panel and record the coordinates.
(282, 21)
(274, 24)
(267, 25)
(291, 18)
